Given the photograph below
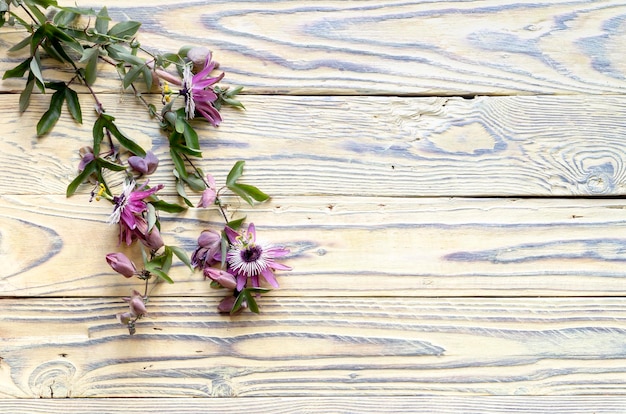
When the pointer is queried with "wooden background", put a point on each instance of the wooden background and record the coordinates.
(449, 177)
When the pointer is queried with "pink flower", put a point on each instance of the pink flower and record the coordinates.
(199, 97)
(248, 259)
(209, 194)
(136, 309)
(129, 208)
(222, 277)
(121, 264)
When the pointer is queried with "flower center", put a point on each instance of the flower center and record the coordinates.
(251, 254)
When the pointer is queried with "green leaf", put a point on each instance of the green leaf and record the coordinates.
(104, 163)
(179, 123)
(162, 275)
(102, 21)
(73, 105)
(195, 183)
(238, 302)
(236, 224)
(35, 69)
(20, 45)
(182, 256)
(179, 163)
(124, 30)
(252, 191)
(25, 95)
(147, 76)
(80, 178)
(126, 142)
(18, 71)
(98, 132)
(64, 17)
(51, 116)
(191, 137)
(91, 69)
(131, 76)
(235, 173)
(252, 305)
(167, 207)
(152, 216)
(167, 261)
(36, 12)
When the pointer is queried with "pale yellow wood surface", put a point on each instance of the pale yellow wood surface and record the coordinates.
(444, 249)
(391, 47)
(315, 347)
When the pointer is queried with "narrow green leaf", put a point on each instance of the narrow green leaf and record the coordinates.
(25, 95)
(98, 132)
(191, 137)
(131, 76)
(36, 12)
(252, 305)
(124, 30)
(162, 275)
(238, 302)
(147, 76)
(102, 21)
(80, 178)
(179, 163)
(35, 69)
(91, 69)
(236, 224)
(64, 17)
(235, 173)
(73, 105)
(253, 192)
(104, 163)
(241, 193)
(167, 262)
(18, 71)
(20, 45)
(195, 183)
(152, 216)
(88, 53)
(167, 207)
(182, 256)
(126, 142)
(179, 124)
(51, 116)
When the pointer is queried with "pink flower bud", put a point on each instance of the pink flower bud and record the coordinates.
(225, 279)
(136, 304)
(151, 239)
(145, 165)
(121, 264)
(209, 239)
(208, 198)
(226, 305)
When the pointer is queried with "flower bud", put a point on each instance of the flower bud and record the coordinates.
(226, 305)
(208, 198)
(136, 304)
(152, 239)
(144, 165)
(121, 264)
(198, 55)
(225, 279)
(209, 238)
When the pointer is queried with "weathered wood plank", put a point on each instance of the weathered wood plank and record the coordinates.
(52, 246)
(370, 146)
(315, 347)
(605, 404)
(389, 47)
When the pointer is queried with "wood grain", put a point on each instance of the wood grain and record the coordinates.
(315, 347)
(388, 47)
(52, 246)
(605, 404)
(366, 146)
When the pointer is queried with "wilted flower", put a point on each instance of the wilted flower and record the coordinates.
(129, 207)
(209, 194)
(151, 239)
(209, 243)
(144, 165)
(86, 156)
(198, 96)
(136, 309)
(248, 259)
(121, 264)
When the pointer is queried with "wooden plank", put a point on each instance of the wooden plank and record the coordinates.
(315, 347)
(388, 46)
(369, 146)
(52, 246)
(342, 405)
